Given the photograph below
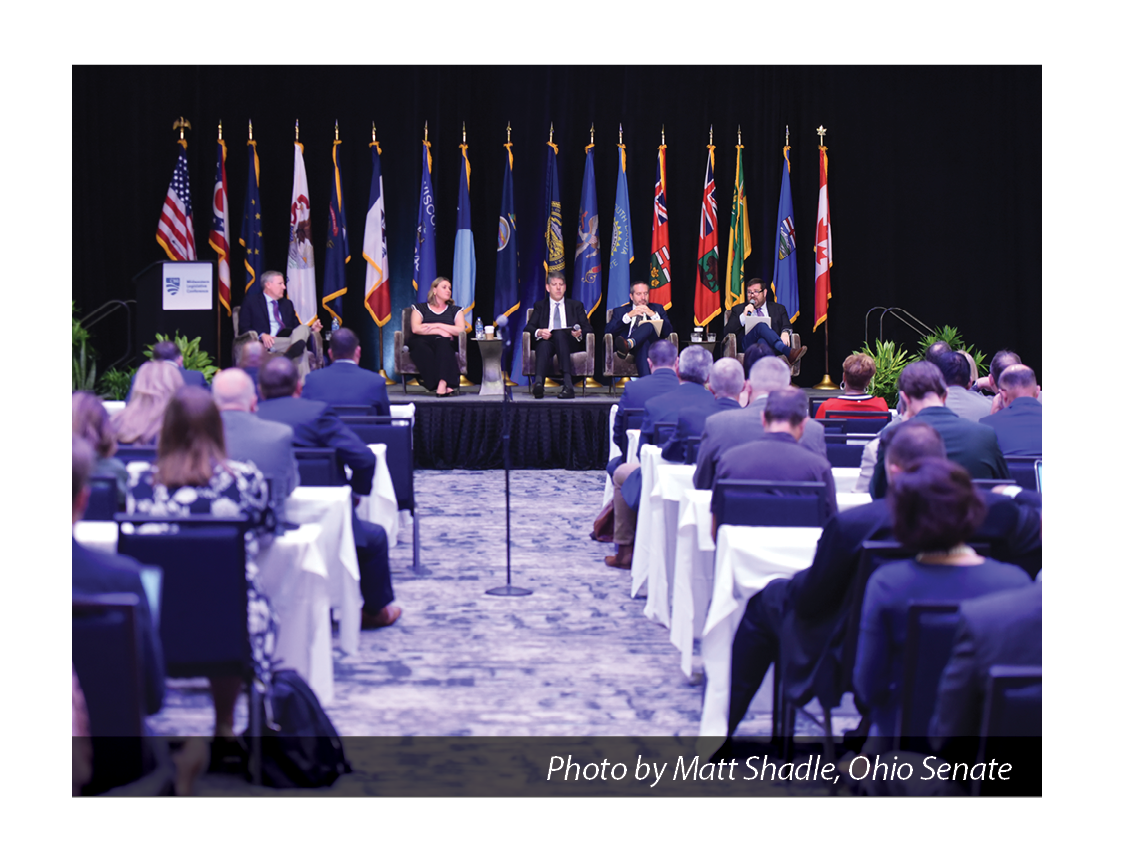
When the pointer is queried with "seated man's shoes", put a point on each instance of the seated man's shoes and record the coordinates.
(624, 348)
(382, 618)
(796, 355)
(622, 559)
(539, 390)
(296, 350)
(566, 393)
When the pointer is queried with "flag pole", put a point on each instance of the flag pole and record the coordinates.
(826, 383)
(381, 348)
(464, 380)
(218, 306)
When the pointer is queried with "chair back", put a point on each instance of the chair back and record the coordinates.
(135, 453)
(843, 455)
(354, 410)
(928, 643)
(1014, 712)
(397, 435)
(203, 620)
(1023, 470)
(663, 432)
(690, 448)
(319, 466)
(861, 422)
(833, 425)
(989, 483)
(634, 417)
(769, 503)
(103, 498)
(105, 650)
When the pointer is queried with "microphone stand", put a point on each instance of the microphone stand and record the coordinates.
(507, 590)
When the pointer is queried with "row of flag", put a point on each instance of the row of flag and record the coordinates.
(175, 233)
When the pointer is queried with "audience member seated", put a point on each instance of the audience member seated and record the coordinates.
(857, 371)
(776, 454)
(730, 428)
(139, 422)
(193, 475)
(249, 358)
(632, 328)
(726, 383)
(168, 352)
(98, 573)
(936, 350)
(344, 382)
(969, 443)
(264, 444)
(967, 404)
(803, 619)
(935, 509)
(693, 373)
(1018, 418)
(662, 359)
(314, 424)
(436, 326)
(1002, 360)
(1003, 628)
(91, 424)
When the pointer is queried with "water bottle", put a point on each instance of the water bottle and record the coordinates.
(334, 323)
(478, 328)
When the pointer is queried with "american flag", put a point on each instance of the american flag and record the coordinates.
(176, 229)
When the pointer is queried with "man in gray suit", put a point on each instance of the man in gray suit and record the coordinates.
(249, 438)
(741, 426)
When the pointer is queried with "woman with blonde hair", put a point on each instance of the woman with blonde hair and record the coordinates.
(437, 325)
(140, 421)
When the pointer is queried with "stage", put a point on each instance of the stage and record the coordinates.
(465, 431)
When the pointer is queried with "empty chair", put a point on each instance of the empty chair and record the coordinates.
(355, 410)
(770, 503)
(927, 648)
(1013, 718)
(862, 422)
(319, 466)
(1023, 470)
(844, 455)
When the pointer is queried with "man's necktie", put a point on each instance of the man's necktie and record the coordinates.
(556, 323)
(759, 311)
(276, 312)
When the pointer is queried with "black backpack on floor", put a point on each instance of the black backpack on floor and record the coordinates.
(305, 751)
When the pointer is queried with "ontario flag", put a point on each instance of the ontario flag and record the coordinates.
(785, 279)
(338, 250)
(660, 238)
(176, 229)
(823, 246)
(374, 246)
(707, 289)
(220, 227)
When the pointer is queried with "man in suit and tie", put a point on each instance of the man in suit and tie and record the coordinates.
(272, 316)
(633, 329)
(1019, 419)
(763, 321)
(726, 383)
(315, 424)
(556, 326)
(344, 382)
(730, 428)
(249, 438)
(168, 352)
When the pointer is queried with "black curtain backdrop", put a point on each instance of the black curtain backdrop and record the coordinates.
(935, 178)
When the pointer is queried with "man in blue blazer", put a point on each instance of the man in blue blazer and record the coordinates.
(315, 424)
(1020, 423)
(272, 317)
(726, 382)
(663, 362)
(344, 382)
(631, 327)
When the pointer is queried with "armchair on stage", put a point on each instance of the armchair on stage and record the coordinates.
(729, 348)
(614, 367)
(314, 359)
(405, 364)
(583, 362)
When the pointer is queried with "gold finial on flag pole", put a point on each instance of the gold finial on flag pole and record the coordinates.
(250, 128)
(821, 130)
(620, 133)
(592, 134)
(373, 133)
(297, 129)
(710, 134)
(663, 134)
(336, 130)
(787, 142)
(219, 128)
(739, 143)
(550, 133)
(181, 124)
(465, 141)
(426, 131)
(507, 131)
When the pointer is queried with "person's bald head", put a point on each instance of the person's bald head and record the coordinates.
(253, 354)
(909, 442)
(1016, 381)
(726, 378)
(234, 390)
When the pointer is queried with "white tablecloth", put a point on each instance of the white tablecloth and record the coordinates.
(403, 411)
(747, 559)
(692, 574)
(650, 457)
(380, 506)
(329, 507)
(293, 571)
(672, 481)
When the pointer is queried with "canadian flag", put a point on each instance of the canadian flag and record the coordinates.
(823, 247)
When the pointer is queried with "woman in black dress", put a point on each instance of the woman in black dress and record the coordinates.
(436, 327)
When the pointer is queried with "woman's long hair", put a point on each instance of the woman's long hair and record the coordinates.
(192, 441)
(91, 423)
(139, 423)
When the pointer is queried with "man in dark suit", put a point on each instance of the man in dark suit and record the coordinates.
(632, 329)
(272, 316)
(923, 393)
(730, 428)
(804, 619)
(344, 382)
(314, 424)
(249, 438)
(776, 454)
(557, 325)
(693, 372)
(1019, 424)
(169, 352)
(772, 327)
(98, 573)
(726, 383)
